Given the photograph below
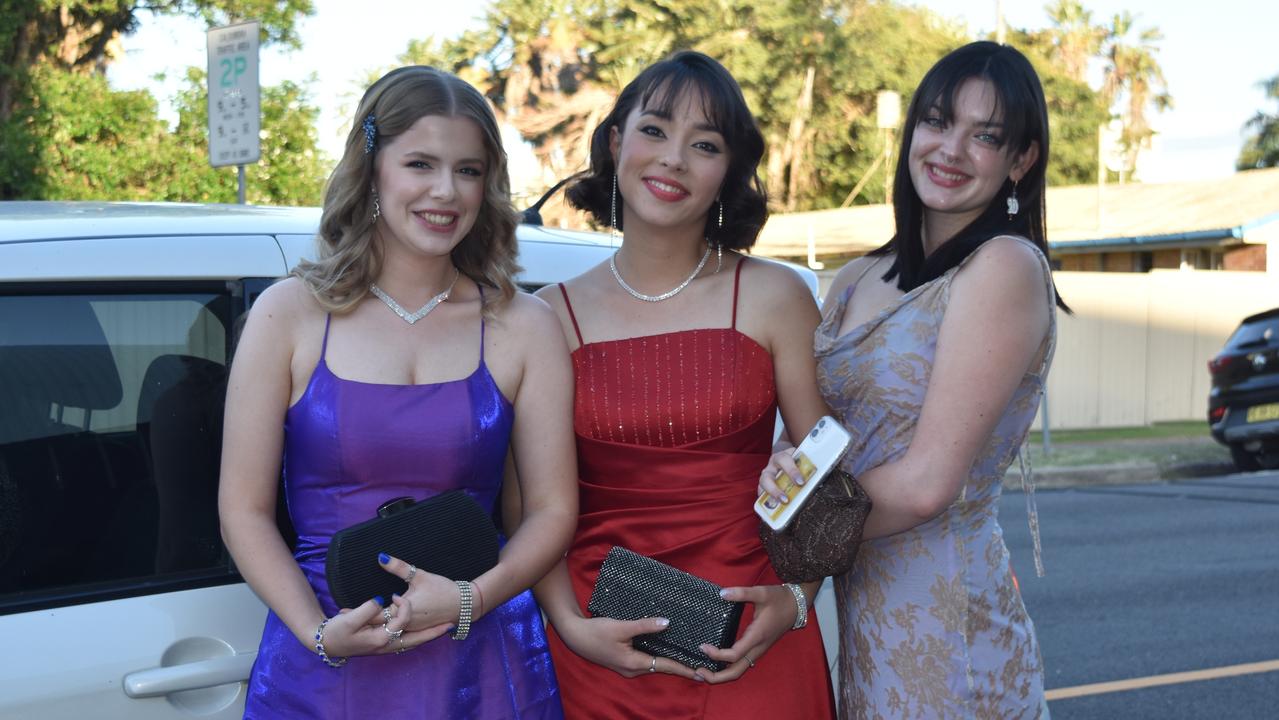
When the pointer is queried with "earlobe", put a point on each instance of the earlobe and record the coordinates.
(1025, 162)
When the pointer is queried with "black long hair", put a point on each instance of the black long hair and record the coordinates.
(659, 87)
(1019, 98)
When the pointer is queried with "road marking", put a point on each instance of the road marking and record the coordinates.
(1157, 680)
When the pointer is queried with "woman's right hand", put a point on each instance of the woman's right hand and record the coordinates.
(607, 643)
(780, 462)
(361, 631)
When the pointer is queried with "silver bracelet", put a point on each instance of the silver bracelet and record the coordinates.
(464, 610)
(319, 647)
(801, 605)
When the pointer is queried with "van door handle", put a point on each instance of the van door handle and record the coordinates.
(158, 681)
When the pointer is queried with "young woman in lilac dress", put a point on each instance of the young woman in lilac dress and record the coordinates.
(359, 401)
(933, 350)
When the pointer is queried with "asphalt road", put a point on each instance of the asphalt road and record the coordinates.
(1148, 580)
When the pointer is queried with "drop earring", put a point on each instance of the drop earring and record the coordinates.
(377, 207)
(1013, 205)
(721, 214)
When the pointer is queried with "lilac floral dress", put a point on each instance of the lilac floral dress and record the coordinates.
(931, 622)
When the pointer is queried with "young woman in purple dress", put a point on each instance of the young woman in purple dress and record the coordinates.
(359, 400)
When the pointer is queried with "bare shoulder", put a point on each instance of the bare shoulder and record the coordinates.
(285, 304)
(1005, 269)
(529, 318)
(850, 273)
(772, 282)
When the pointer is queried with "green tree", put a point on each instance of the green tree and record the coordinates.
(1261, 149)
(1073, 39)
(1134, 82)
(65, 134)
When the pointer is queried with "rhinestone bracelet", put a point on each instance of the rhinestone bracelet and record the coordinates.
(464, 610)
(319, 647)
(801, 605)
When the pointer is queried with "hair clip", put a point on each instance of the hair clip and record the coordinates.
(370, 133)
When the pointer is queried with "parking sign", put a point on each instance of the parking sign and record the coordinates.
(234, 113)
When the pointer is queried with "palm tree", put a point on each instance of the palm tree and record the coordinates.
(1074, 38)
(1261, 149)
(1133, 80)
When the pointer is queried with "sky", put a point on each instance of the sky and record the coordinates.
(1213, 55)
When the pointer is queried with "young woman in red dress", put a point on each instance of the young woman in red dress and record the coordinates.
(683, 349)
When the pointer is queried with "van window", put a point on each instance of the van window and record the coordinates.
(110, 440)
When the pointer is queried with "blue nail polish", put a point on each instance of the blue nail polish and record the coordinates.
(383, 558)
(378, 600)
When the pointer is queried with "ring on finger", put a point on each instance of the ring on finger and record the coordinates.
(412, 572)
(652, 666)
(402, 649)
(749, 661)
(386, 614)
(392, 635)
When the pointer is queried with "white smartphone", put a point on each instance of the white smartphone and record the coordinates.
(816, 456)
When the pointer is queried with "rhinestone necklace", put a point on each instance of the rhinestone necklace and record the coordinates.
(612, 265)
(407, 316)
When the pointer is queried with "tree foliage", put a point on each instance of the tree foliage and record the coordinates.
(1261, 149)
(810, 70)
(65, 134)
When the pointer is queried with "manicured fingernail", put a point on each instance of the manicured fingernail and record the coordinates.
(698, 678)
(663, 622)
(383, 558)
(379, 600)
(723, 594)
(395, 596)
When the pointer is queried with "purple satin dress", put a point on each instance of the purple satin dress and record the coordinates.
(349, 447)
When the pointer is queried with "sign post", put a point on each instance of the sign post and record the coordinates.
(235, 117)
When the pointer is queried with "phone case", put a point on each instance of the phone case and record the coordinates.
(816, 456)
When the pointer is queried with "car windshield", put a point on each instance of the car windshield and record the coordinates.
(1258, 333)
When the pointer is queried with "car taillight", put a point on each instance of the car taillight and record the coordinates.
(1221, 362)
(1216, 414)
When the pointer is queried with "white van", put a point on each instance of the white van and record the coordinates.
(117, 598)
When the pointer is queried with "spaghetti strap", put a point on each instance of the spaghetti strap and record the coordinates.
(481, 289)
(324, 346)
(737, 281)
(571, 316)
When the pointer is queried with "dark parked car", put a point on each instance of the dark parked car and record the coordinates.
(1243, 406)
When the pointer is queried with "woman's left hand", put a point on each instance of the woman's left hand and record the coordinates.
(775, 613)
(434, 599)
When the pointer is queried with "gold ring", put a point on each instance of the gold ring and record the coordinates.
(652, 666)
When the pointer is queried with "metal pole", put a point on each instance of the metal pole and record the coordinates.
(240, 192)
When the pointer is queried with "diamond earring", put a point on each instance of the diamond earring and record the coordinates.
(377, 207)
(1013, 205)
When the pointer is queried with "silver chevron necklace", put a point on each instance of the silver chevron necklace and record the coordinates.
(412, 317)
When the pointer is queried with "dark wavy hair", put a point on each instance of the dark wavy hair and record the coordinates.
(659, 87)
(349, 259)
(1019, 99)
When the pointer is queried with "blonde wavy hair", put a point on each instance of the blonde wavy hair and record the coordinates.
(349, 259)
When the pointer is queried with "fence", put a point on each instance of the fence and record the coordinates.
(1137, 349)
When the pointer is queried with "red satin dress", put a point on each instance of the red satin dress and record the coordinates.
(672, 433)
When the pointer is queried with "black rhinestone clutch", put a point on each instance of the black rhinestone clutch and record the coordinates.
(632, 586)
(448, 534)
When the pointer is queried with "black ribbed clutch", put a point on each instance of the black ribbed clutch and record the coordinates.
(632, 586)
(448, 534)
